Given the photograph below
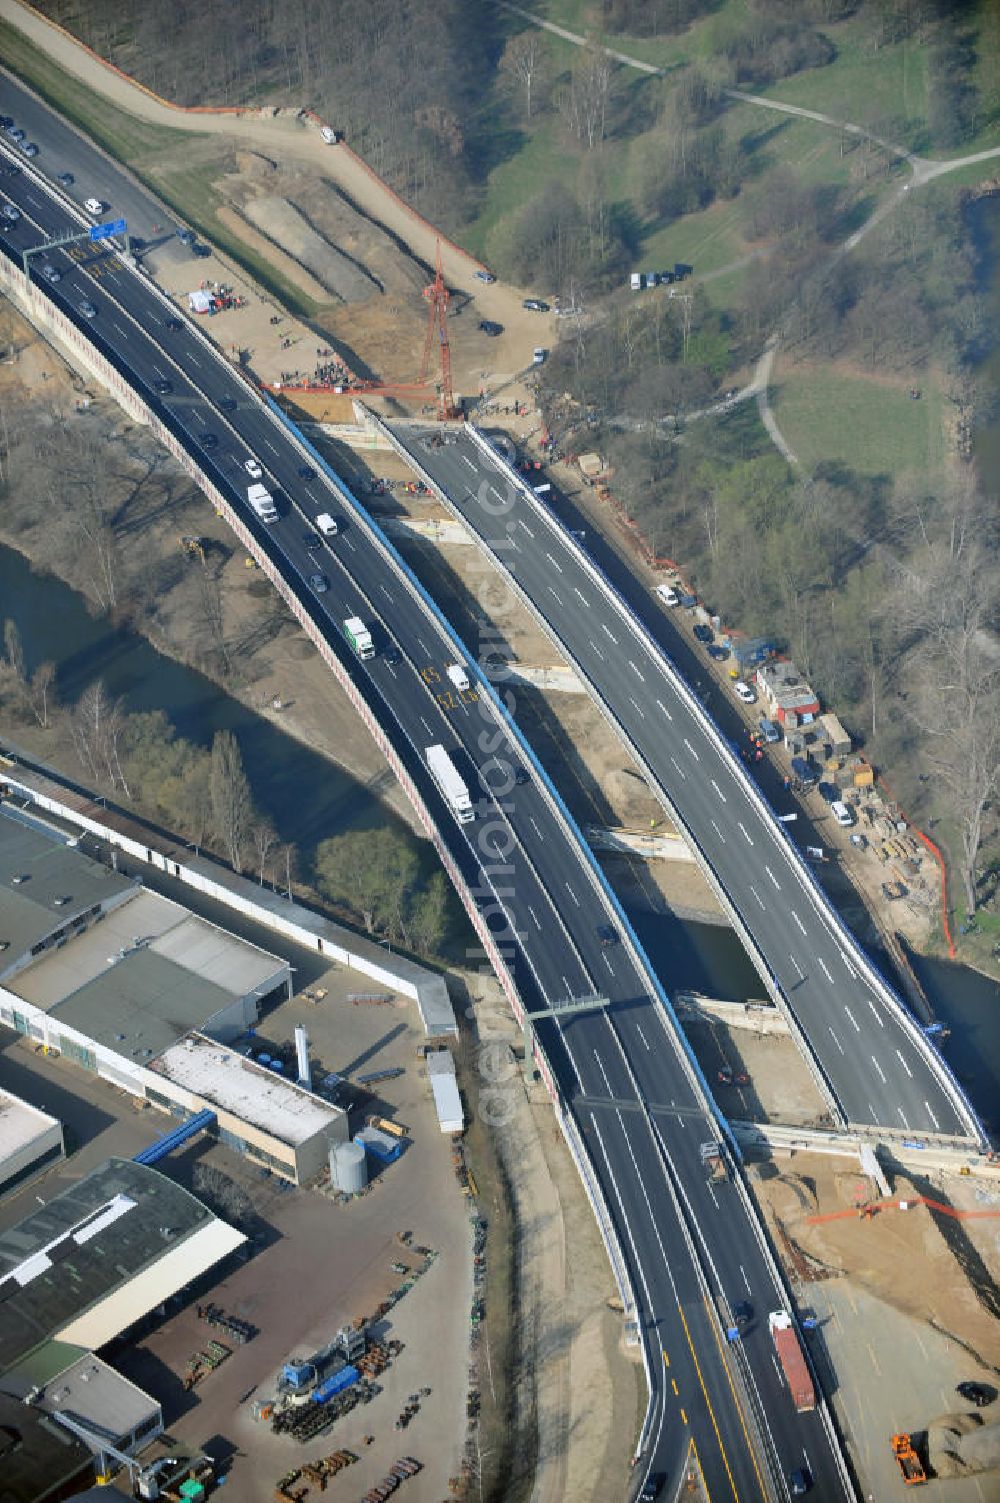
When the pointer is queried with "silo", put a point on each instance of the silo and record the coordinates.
(348, 1168)
(302, 1056)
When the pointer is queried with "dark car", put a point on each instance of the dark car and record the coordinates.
(979, 1394)
(51, 273)
(66, 178)
(535, 305)
(743, 1313)
(482, 275)
(226, 404)
(15, 132)
(209, 441)
(11, 213)
(607, 935)
(87, 309)
(6, 121)
(392, 655)
(798, 1482)
(717, 652)
(306, 472)
(829, 791)
(652, 1487)
(311, 539)
(703, 633)
(487, 326)
(29, 148)
(319, 583)
(172, 323)
(164, 387)
(521, 777)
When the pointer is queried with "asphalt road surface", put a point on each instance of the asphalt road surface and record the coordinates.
(692, 1247)
(880, 1074)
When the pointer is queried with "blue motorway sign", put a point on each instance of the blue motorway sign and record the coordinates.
(105, 231)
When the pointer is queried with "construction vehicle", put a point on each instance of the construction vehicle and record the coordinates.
(908, 1461)
(193, 547)
(792, 1359)
(713, 1159)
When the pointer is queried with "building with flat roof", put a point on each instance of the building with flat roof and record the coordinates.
(40, 1462)
(30, 1140)
(263, 1115)
(93, 1261)
(444, 1086)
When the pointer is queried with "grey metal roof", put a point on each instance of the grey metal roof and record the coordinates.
(49, 869)
(83, 1245)
(141, 1005)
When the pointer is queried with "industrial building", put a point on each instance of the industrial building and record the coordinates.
(447, 1099)
(78, 1272)
(30, 1140)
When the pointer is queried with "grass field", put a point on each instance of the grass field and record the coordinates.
(871, 425)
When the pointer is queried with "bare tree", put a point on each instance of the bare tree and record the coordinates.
(265, 838)
(14, 649)
(232, 805)
(288, 859)
(42, 692)
(523, 60)
(96, 727)
(584, 103)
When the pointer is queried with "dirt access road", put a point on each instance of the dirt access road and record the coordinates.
(292, 137)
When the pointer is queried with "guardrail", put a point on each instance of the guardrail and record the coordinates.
(806, 877)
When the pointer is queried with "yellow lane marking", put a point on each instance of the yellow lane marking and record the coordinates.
(739, 1407)
(697, 1459)
(708, 1401)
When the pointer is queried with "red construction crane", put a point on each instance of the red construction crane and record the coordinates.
(437, 296)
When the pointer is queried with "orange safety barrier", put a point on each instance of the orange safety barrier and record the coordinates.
(935, 852)
(866, 1212)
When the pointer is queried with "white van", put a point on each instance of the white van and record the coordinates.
(94, 206)
(327, 524)
(458, 675)
(635, 281)
(842, 814)
(668, 594)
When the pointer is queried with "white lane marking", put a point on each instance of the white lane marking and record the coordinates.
(497, 494)
(645, 1040)
(582, 596)
(348, 544)
(572, 894)
(466, 460)
(846, 959)
(607, 963)
(905, 1066)
(195, 361)
(801, 973)
(835, 1039)
(423, 646)
(746, 1281)
(679, 768)
(269, 444)
(853, 1019)
(718, 790)
(875, 1012)
(747, 835)
(386, 593)
(636, 708)
(554, 562)
(826, 971)
(664, 709)
(534, 917)
(691, 749)
(609, 633)
(120, 329)
(773, 878)
(930, 1114)
(553, 592)
(569, 989)
(878, 1067)
(598, 651)
(513, 543)
(526, 527)
(538, 831)
(798, 921)
(902, 1117)
(636, 671)
(426, 726)
(718, 832)
(757, 895)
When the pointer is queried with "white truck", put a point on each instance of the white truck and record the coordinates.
(452, 786)
(359, 637)
(457, 675)
(262, 501)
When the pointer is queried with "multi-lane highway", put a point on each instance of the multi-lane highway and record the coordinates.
(873, 1057)
(692, 1248)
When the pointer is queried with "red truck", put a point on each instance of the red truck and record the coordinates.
(793, 1363)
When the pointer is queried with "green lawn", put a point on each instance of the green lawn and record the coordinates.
(542, 158)
(868, 425)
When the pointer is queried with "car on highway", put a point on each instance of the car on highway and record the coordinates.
(520, 776)
(94, 205)
(50, 273)
(607, 935)
(13, 170)
(225, 404)
(29, 148)
(743, 691)
(87, 308)
(311, 539)
(799, 1482)
(743, 1313)
(319, 583)
(209, 440)
(164, 387)
(392, 655)
(535, 305)
(175, 323)
(487, 326)
(11, 213)
(726, 1076)
(15, 132)
(6, 121)
(66, 178)
(979, 1394)
(703, 633)
(253, 468)
(306, 472)
(327, 524)
(652, 1487)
